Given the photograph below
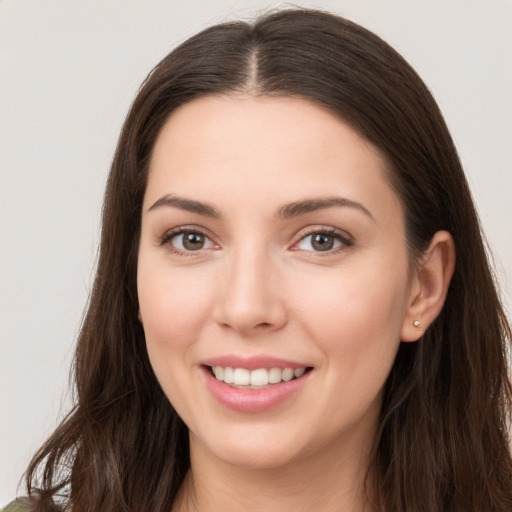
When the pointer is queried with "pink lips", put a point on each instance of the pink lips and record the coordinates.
(251, 363)
(252, 400)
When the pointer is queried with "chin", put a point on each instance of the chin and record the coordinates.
(252, 451)
(262, 459)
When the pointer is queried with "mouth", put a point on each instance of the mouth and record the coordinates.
(260, 378)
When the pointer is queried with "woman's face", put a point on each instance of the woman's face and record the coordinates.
(272, 248)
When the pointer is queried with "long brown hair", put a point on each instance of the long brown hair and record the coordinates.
(442, 441)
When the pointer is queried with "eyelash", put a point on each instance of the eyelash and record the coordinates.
(342, 237)
(165, 240)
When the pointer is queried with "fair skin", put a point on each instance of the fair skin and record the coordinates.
(232, 271)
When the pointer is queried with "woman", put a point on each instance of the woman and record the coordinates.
(293, 306)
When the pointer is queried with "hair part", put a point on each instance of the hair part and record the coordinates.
(442, 441)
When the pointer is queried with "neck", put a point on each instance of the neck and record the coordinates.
(320, 482)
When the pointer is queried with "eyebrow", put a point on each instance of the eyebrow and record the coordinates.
(298, 208)
(188, 205)
(287, 211)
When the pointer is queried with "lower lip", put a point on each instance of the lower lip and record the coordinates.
(253, 400)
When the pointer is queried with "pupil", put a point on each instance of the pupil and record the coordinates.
(322, 242)
(193, 241)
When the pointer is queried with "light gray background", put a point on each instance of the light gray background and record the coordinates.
(68, 72)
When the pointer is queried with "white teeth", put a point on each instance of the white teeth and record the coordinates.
(228, 375)
(274, 375)
(257, 378)
(287, 374)
(241, 377)
(298, 372)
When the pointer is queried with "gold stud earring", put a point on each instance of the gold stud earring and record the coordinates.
(417, 324)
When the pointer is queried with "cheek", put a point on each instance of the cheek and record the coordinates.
(356, 326)
(356, 316)
(173, 308)
(370, 298)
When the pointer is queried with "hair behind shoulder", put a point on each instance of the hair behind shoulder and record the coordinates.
(442, 442)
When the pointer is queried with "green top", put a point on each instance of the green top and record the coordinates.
(19, 505)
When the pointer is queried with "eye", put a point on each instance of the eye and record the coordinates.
(322, 241)
(188, 241)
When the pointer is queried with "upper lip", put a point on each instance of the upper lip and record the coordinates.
(252, 362)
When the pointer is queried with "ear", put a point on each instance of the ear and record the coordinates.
(429, 286)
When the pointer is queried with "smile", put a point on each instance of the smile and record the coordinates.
(256, 389)
(255, 379)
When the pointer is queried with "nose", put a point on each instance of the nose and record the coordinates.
(250, 296)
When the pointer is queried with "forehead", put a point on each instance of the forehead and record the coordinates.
(261, 148)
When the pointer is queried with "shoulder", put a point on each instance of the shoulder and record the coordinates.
(19, 505)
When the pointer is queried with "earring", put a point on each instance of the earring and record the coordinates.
(417, 324)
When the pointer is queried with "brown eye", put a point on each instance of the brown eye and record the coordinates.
(321, 242)
(191, 241)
